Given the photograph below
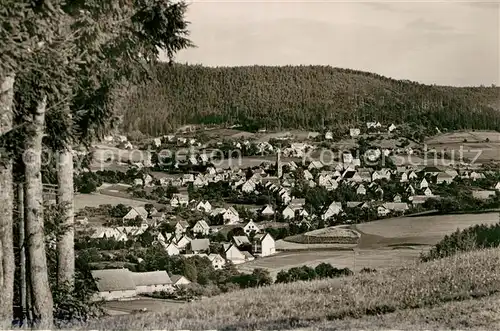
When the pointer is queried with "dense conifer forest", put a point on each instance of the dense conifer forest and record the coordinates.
(299, 97)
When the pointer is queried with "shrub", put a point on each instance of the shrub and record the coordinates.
(472, 238)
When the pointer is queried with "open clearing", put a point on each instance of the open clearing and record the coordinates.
(384, 243)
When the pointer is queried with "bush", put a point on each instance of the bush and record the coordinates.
(472, 238)
(305, 273)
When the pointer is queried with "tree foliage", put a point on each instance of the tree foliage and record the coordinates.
(309, 97)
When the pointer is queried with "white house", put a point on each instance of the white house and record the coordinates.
(308, 175)
(263, 245)
(404, 177)
(218, 261)
(497, 186)
(231, 216)
(361, 190)
(315, 165)
(382, 211)
(183, 242)
(149, 282)
(204, 206)
(334, 209)
(329, 135)
(233, 254)
(424, 184)
(428, 192)
(391, 128)
(248, 186)
(201, 227)
(172, 249)
(288, 213)
(178, 280)
(181, 227)
(354, 132)
(250, 226)
(267, 211)
(136, 211)
(179, 200)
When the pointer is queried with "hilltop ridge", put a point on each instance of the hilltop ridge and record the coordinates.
(302, 97)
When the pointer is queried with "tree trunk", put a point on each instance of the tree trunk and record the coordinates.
(39, 280)
(66, 243)
(6, 205)
(22, 253)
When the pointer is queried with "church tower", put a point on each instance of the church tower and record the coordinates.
(279, 166)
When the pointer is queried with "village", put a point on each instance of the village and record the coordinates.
(234, 215)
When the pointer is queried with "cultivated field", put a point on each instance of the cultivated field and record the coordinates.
(383, 243)
(471, 143)
(96, 199)
(356, 259)
(422, 230)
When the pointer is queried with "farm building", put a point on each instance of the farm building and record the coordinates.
(149, 282)
(178, 280)
(114, 284)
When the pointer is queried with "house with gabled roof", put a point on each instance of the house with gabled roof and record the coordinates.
(308, 175)
(201, 228)
(267, 211)
(334, 209)
(218, 261)
(404, 178)
(361, 190)
(152, 281)
(179, 280)
(424, 184)
(315, 165)
(233, 254)
(179, 200)
(136, 211)
(183, 242)
(288, 213)
(114, 284)
(263, 245)
(251, 226)
(181, 227)
(396, 206)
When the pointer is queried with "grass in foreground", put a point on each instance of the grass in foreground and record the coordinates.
(462, 277)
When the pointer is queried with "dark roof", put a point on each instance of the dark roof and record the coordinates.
(200, 244)
(151, 278)
(113, 280)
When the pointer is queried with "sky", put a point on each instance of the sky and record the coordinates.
(433, 42)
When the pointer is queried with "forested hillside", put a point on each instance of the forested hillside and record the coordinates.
(308, 97)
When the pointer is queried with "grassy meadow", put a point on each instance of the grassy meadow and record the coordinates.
(401, 296)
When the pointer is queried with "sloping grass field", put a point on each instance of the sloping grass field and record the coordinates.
(422, 230)
(410, 293)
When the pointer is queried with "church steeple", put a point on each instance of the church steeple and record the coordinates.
(279, 166)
